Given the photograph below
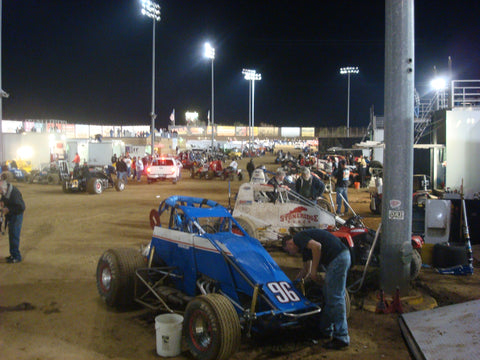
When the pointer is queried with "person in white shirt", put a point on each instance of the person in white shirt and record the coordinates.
(139, 167)
(233, 165)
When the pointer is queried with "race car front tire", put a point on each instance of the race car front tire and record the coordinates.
(94, 186)
(211, 327)
(116, 276)
(248, 226)
(119, 185)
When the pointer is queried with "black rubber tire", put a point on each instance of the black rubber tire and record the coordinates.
(116, 276)
(415, 265)
(248, 226)
(240, 177)
(324, 204)
(119, 185)
(211, 327)
(445, 256)
(94, 186)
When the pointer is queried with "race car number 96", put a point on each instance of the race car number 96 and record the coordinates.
(283, 292)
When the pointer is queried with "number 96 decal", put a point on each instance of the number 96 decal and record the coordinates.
(283, 292)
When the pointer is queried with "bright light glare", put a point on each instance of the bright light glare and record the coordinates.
(191, 116)
(209, 51)
(349, 70)
(438, 84)
(151, 9)
(251, 75)
(25, 153)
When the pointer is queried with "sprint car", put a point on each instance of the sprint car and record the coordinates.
(267, 212)
(93, 180)
(202, 263)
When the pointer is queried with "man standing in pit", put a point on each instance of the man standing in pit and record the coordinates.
(12, 206)
(342, 175)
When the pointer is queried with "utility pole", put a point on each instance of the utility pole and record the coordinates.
(396, 249)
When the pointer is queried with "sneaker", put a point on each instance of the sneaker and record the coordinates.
(9, 258)
(335, 344)
(13, 261)
(339, 214)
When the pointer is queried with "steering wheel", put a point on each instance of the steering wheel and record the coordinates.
(354, 221)
(209, 229)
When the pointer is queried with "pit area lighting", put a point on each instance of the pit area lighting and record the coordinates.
(209, 51)
(251, 75)
(25, 153)
(151, 9)
(191, 116)
(438, 84)
(349, 70)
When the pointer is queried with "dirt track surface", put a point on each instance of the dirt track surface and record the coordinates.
(64, 235)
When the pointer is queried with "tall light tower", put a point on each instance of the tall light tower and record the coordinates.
(210, 54)
(152, 10)
(347, 71)
(252, 76)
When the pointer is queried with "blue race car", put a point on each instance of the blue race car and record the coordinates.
(200, 262)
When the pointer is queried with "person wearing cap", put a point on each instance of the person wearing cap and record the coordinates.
(320, 247)
(342, 176)
(12, 207)
(309, 186)
(276, 181)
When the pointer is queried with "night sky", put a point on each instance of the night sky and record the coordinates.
(91, 61)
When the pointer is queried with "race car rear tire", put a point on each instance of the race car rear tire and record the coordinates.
(248, 226)
(94, 186)
(211, 327)
(324, 204)
(116, 276)
(119, 185)
(53, 179)
(415, 265)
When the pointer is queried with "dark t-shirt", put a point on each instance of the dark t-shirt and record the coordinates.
(331, 245)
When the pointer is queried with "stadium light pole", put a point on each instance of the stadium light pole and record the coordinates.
(252, 76)
(152, 10)
(210, 54)
(347, 71)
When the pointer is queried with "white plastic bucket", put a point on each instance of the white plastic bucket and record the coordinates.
(169, 334)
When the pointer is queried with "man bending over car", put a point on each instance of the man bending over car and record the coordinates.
(319, 247)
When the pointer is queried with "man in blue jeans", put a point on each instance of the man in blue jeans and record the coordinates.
(342, 176)
(12, 206)
(320, 247)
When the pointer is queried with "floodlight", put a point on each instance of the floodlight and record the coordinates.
(209, 51)
(151, 9)
(438, 84)
(347, 71)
